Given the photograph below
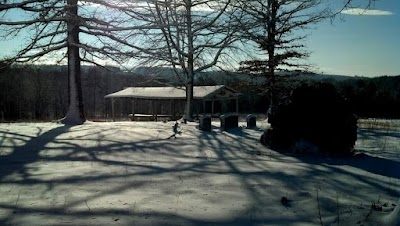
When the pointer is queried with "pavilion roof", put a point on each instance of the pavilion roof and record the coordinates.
(199, 92)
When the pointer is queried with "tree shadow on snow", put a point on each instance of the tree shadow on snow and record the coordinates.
(115, 168)
(130, 163)
(29, 152)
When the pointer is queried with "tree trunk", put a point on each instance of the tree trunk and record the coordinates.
(75, 115)
(271, 44)
(271, 75)
(190, 67)
(189, 102)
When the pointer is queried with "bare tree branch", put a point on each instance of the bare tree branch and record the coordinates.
(271, 24)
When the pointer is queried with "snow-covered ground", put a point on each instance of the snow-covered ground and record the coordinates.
(129, 173)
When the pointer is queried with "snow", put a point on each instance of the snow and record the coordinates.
(199, 92)
(129, 173)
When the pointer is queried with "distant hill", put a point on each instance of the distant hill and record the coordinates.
(164, 71)
(225, 77)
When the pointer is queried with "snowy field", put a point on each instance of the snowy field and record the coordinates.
(129, 173)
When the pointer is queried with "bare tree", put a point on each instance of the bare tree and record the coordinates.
(277, 27)
(56, 31)
(193, 36)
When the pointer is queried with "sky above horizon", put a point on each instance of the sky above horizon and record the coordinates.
(357, 42)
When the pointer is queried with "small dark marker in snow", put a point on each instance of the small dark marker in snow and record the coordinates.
(284, 201)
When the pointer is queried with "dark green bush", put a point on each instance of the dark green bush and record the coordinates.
(316, 118)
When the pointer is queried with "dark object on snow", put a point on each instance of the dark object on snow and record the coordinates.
(175, 127)
(251, 121)
(205, 123)
(376, 206)
(284, 201)
(229, 121)
(175, 130)
(316, 119)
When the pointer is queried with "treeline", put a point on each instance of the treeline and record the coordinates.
(29, 92)
(377, 97)
(374, 97)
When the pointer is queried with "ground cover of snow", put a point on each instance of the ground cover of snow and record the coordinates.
(129, 173)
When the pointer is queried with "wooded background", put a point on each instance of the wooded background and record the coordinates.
(38, 92)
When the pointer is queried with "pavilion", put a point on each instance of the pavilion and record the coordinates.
(169, 101)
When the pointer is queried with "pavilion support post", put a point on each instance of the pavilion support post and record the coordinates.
(212, 107)
(113, 109)
(237, 105)
(152, 108)
(204, 107)
(155, 110)
(133, 101)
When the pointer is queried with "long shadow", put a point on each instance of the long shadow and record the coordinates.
(376, 165)
(366, 161)
(369, 163)
(139, 174)
(127, 217)
(386, 162)
(373, 164)
(21, 156)
(377, 133)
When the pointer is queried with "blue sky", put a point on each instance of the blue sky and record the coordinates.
(363, 45)
(354, 44)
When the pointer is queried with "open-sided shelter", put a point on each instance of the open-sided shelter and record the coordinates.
(170, 101)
